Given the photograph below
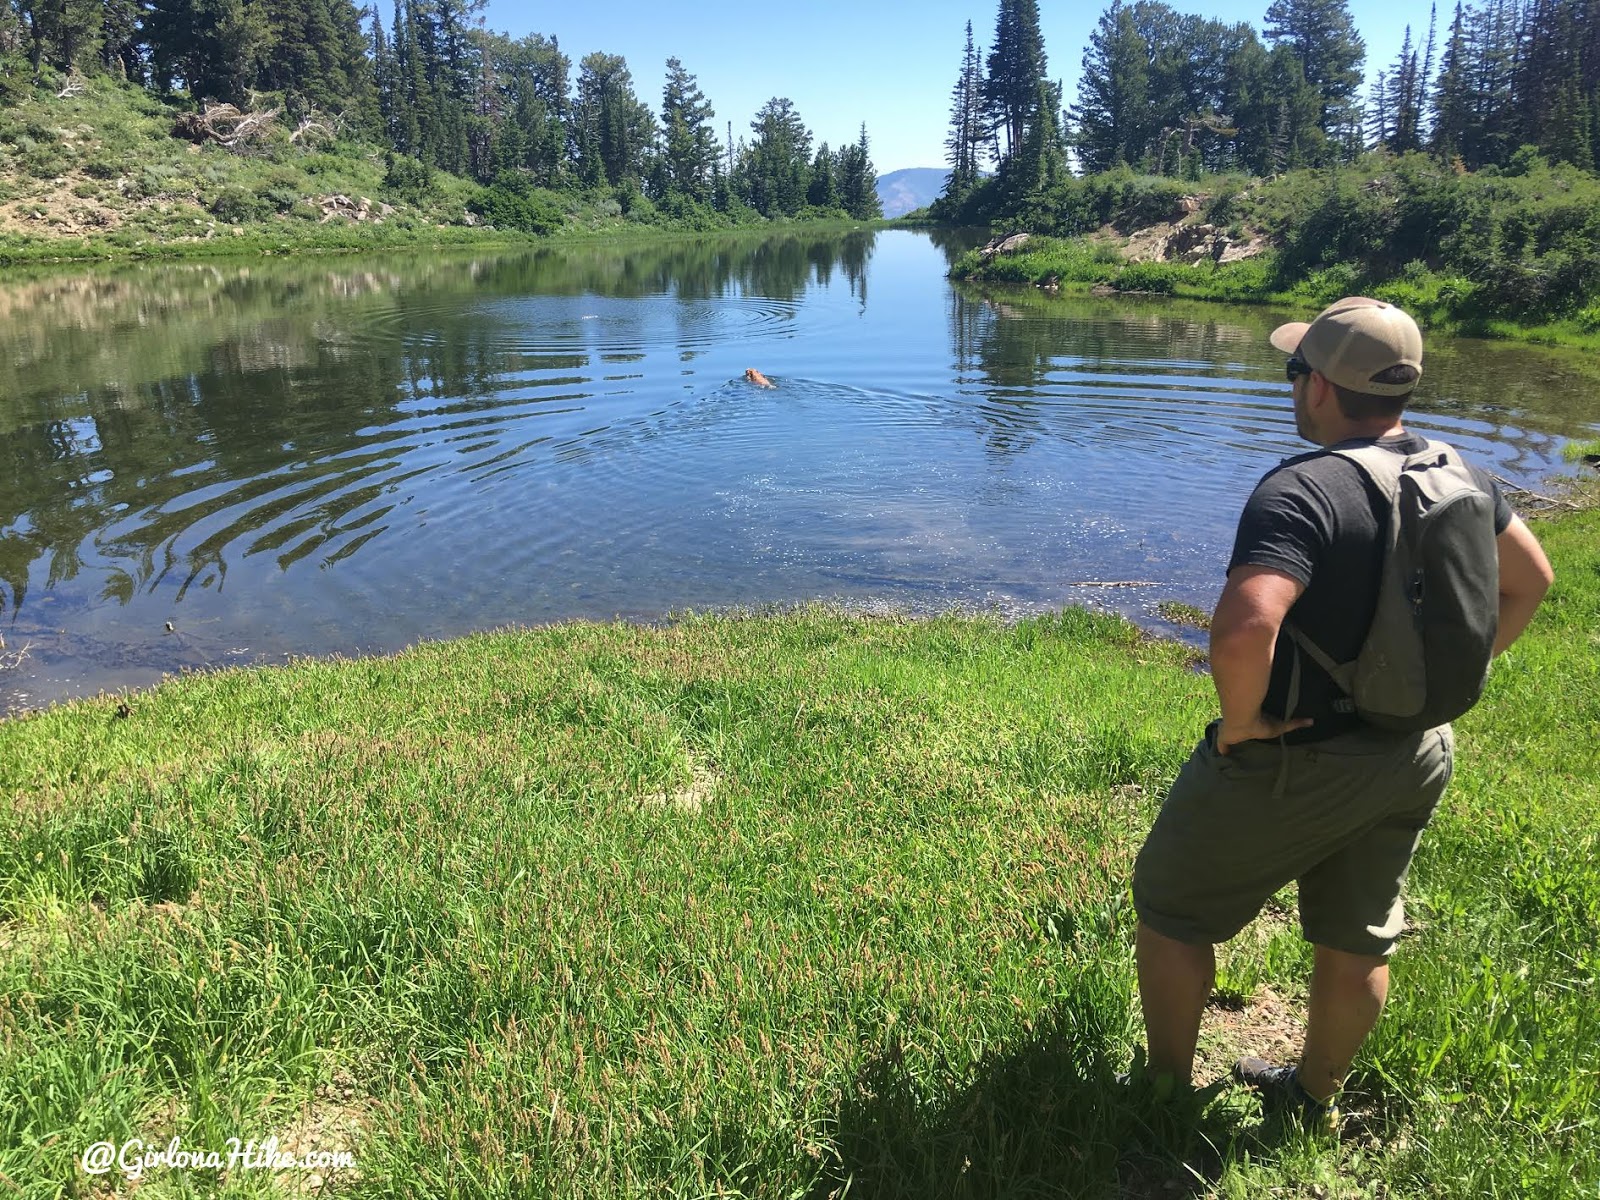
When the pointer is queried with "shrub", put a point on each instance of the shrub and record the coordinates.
(513, 203)
(1149, 277)
(635, 204)
(406, 178)
(155, 181)
(281, 199)
(236, 205)
(324, 164)
(1327, 285)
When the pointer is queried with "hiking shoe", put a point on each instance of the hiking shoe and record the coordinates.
(1281, 1092)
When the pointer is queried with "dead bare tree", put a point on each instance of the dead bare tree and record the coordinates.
(226, 125)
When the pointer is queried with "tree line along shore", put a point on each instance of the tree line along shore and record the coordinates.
(1462, 187)
(1198, 158)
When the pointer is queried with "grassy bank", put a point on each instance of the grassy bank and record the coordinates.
(1511, 252)
(1081, 266)
(98, 175)
(790, 905)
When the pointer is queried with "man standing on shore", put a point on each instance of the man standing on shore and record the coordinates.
(1291, 783)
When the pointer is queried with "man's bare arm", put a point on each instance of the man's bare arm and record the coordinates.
(1244, 631)
(1525, 576)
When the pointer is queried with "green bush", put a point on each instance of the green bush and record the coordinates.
(407, 178)
(1327, 285)
(237, 205)
(1150, 277)
(281, 198)
(513, 203)
(157, 180)
(324, 164)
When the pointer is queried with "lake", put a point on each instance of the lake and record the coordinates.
(346, 455)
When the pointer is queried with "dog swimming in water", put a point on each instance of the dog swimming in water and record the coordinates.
(751, 375)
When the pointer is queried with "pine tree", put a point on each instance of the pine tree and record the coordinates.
(1016, 67)
(1113, 92)
(299, 52)
(1330, 52)
(1379, 129)
(405, 129)
(383, 79)
(858, 180)
(122, 50)
(1492, 132)
(1251, 103)
(613, 128)
(1042, 162)
(1452, 93)
(689, 149)
(212, 46)
(1399, 129)
(777, 165)
(823, 190)
(1545, 62)
(1568, 129)
(964, 145)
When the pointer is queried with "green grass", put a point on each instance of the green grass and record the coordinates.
(1573, 451)
(99, 176)
(1077, 266)
(785, 905)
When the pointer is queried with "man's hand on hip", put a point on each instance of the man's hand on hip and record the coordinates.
(1260, 728)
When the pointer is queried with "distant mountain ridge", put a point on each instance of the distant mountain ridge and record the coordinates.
(911, 188)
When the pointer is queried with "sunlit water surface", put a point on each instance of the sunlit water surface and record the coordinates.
(343, 455)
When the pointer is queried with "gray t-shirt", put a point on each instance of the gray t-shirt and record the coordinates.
(1319, 520)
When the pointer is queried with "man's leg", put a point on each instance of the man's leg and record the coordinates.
(1347, 994)
(1175, 981)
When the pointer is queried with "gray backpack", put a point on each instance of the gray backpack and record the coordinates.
(1426, 655)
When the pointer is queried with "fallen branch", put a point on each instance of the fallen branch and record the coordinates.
(1552, 501)
(14, 658)
(225, 124)
(307, 127)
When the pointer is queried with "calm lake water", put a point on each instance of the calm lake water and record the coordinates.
(347, 455)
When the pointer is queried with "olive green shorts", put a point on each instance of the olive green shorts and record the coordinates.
(1341, 816)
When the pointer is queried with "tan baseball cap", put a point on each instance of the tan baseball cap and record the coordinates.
(1354, 339)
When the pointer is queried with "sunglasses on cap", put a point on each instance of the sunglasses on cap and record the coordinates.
(1295, 368)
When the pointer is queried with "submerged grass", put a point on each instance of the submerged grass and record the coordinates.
(797, 905)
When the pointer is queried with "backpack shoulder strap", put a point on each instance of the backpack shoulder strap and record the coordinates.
(1383, 467)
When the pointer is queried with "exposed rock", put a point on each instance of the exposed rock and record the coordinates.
(1234, 251)
(359, 209)
(1004, 245)
(1189, 243)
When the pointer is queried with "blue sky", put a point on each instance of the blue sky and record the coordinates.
(844, 62)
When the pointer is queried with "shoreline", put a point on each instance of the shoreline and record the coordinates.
(264, 242)
(1171, 627)
(1082, 267)
(1026, 272)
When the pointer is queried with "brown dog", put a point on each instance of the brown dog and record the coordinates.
(751, 375)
